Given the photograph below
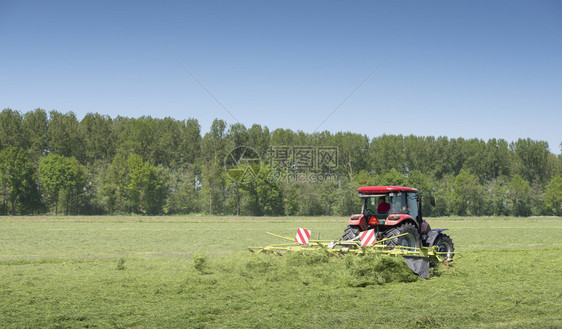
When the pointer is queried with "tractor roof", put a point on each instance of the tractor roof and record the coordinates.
(385, 189)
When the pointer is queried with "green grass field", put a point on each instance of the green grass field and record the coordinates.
(67, 272)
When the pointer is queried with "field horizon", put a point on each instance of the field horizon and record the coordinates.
(205, 217)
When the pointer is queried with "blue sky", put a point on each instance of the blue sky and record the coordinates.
(472, 69)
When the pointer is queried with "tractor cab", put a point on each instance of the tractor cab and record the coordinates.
(388, 206)
(392, 211)
(382, 205)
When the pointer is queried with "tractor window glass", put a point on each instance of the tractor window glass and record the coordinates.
(370, 206)
(412, 205)
(398, 203)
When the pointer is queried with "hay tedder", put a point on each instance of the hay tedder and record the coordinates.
(390, 223)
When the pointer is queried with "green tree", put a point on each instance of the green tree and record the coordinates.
(177, 142)
(420, 181)
(114, 192)
(145, 188)
(531, 160)
(17, 179)
(553, 200)
(363, 178)
(497, 197)
(560, 161)
(387, 152)
(424, 185)
(184, 193)
(498, 158)
(137, 136)
(440, 164)
(456, 154)
(465, 194)
(215, 147)
(283, 137)
(213, 188)
(476, 158)
(96, 200)
(290, 199)
(11, 132)
(347, 202)
(441, 191)
(519, 195)
(234, 198)
(99, 138)
(352, 152)
(64, 135)
(56, 174)
(133, 185)
(191, 140)
(74, 198)
(215, 143)
(393, 177)
(328, 196)
(310, 201)
(259, 138)
(264, 193)
(418, 153)
(34, 126)
(238, 135)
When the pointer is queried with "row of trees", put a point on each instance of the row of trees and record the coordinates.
(53, 162)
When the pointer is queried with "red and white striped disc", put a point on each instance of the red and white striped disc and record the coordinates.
(367, 238)
(303, 236)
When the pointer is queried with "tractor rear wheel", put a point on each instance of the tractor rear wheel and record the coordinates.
(351, 232)
(445, 246)
(411, 240)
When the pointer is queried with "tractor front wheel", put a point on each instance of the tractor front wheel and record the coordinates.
(411, 240)
(351, 232)
(445, 247)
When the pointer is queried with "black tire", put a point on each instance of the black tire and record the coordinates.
(445, 244)
(351, 232)
(411, 240)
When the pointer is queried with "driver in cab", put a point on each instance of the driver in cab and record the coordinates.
(383, 205)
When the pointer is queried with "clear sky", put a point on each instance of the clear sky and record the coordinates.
(472, 69)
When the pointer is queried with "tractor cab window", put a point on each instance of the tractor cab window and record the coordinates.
(370, 206)
(413, 205)
(375, 205)
(398, 204)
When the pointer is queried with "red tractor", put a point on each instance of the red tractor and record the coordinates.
(395, 210)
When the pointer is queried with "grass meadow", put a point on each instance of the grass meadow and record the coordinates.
(196, 272)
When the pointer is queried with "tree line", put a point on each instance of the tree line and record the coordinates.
(51, 162)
